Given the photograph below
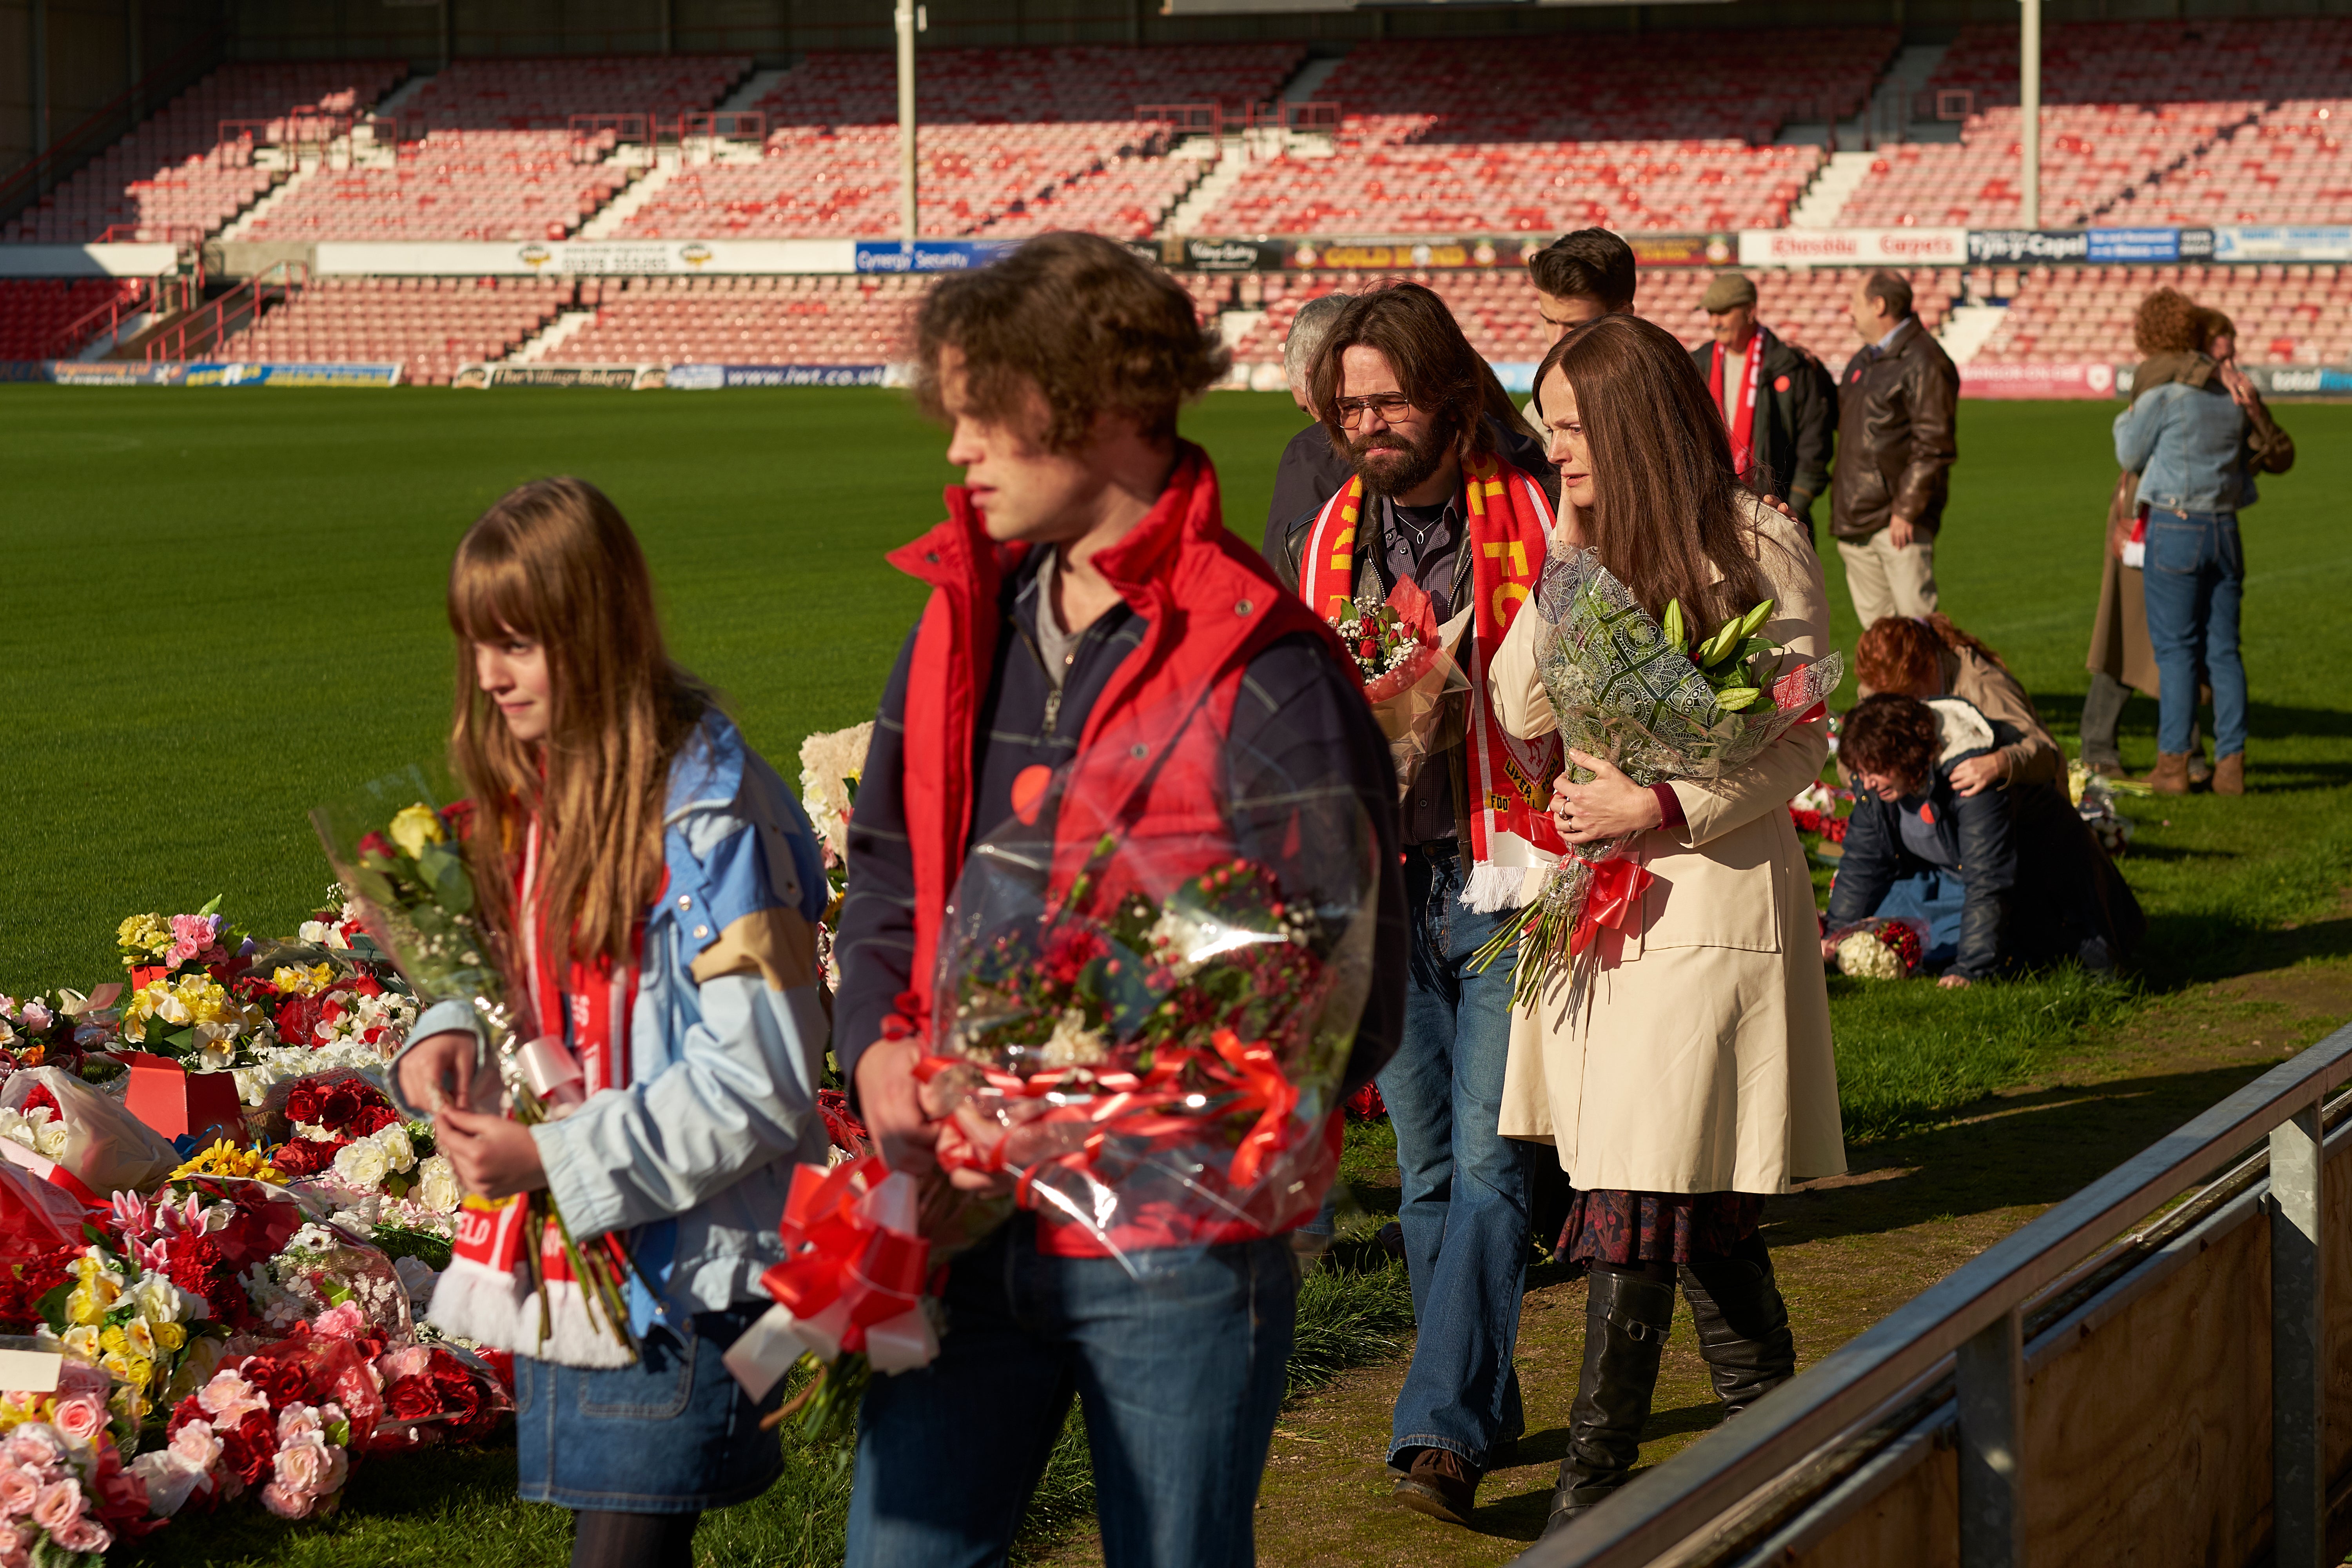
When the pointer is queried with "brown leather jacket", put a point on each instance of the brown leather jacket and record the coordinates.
(1897, 416)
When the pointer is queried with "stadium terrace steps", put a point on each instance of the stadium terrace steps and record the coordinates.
(1967, 329)
(237, 227)
(566, 326)
(609, 219)
(1826, 197)
(432, 325)
(755, 89)
(1188, 216)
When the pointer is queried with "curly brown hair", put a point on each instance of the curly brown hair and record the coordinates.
(2166, 322)
(1892, 735)
(1078, 321)
(1899, 652)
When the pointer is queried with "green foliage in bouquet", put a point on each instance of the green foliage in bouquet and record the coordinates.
(1735, 663)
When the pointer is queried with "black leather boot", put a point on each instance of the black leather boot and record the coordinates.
(1743, 1324)
(1626, 1317)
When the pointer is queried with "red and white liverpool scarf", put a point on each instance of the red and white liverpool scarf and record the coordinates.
(1743, 421)
(1509, 530)
(487, 1293)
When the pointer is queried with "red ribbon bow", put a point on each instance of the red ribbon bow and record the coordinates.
(1614, 900)
(837, 1250)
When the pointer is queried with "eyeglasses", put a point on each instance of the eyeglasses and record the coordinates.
(1391, 406)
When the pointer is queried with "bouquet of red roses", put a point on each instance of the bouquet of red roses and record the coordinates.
(1149, 1031)
(1410, 675)
(1884, 947)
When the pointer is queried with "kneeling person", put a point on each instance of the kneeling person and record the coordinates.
(2001, 877)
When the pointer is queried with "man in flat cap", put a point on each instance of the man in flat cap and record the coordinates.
(1778, 402)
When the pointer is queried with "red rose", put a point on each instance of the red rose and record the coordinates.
(367, 985)
(458, 819)
(280, 1381)
(42, 1100)
(306, 1156)
(342, 1103)
(411, 1399)
(376, 843)
(373, 1118)
(248, 1448)
(303, 1099)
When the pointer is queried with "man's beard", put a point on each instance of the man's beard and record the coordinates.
(1400, 475)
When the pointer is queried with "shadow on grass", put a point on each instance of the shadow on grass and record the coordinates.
(2026, 1151)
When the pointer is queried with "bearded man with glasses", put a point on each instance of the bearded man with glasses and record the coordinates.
(1401, 394)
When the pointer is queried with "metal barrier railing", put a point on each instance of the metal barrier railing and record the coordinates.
(1852, 1420)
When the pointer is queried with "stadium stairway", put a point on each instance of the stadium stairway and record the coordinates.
(237, 225)
(1825, 197)
(1231, 161)
(566, 325)
(757, 86)
(623, 205)
(1967, 329)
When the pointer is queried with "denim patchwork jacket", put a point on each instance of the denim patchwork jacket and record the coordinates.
(2188, 445)
(692, 1159)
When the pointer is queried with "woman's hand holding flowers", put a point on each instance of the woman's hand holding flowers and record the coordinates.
(1608, 806)
(494, 1157)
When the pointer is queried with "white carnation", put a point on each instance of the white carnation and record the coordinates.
(363, 1163)
(397, 1150)
(1072, 1044)
(436, 1185)
(1867, 958)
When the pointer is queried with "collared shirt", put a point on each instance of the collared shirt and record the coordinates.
(1425, 543)
(1886, 345)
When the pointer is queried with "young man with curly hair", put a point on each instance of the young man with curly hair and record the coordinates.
(1090, 619)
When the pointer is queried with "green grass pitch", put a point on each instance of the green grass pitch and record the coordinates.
(224, 607)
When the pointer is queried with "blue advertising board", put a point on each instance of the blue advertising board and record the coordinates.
(246, 374)
(2133, 245)
(712, 377)
(95, 372)
(927, 255)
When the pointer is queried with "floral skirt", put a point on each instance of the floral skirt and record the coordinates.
(1612, 1226)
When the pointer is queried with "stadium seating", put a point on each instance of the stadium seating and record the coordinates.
(544, 94)
(1014, 142)
(975, 179)
(167, 175)
(743, 320)
(35, 311)
(431, 324)
(2288, 167)
(2123, 102)
(1497, 308)
(2285, 314)
(454, 185)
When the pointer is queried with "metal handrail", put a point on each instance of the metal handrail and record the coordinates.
(211, 323)
(107, 318)
(1967, 1315)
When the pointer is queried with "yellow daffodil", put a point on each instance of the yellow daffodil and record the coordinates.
(413, 827)
(226, 1159)
(301, 980)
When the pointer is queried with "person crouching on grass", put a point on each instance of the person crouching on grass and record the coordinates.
(1083, 583)
(2002, 875)
(1697, 1078)
(660, 887)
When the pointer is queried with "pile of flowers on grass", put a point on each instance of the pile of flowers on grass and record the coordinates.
(228, 1318)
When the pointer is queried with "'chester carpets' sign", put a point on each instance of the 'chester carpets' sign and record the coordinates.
(1853, 246)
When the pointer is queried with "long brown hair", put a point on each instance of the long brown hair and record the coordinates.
(554, 561)
(1667, 502)
(1434, 365)
(1896, 652)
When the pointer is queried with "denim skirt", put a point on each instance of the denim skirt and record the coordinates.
(673, 1434)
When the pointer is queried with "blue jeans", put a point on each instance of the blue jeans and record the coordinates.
(2196, 575)
(673, 1433)
(1466, 1193)
(1938, 897)
(1180, 1372)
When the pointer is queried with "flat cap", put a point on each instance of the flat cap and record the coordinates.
(1727, 290)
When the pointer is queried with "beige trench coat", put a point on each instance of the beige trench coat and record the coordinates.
(1701, 1061)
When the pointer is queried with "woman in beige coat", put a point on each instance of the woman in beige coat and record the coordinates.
(1695, 1076)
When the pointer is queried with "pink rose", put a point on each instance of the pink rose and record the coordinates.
(287, 1503)
(229, 1399)
(80, 1377)
(58, 1504)
(297, 1421)
(35, 1446)
(402, 1364)
(344, 1322)
(195, 1447)
(310, 1465)
(83, 1534)
(18, 1487)
(17, 1545)
(80, 1418)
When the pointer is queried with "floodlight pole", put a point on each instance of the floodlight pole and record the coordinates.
(2029, 100)
(905, 16)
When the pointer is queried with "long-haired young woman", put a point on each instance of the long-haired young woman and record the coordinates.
(655, 886)
(1696, 1077)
